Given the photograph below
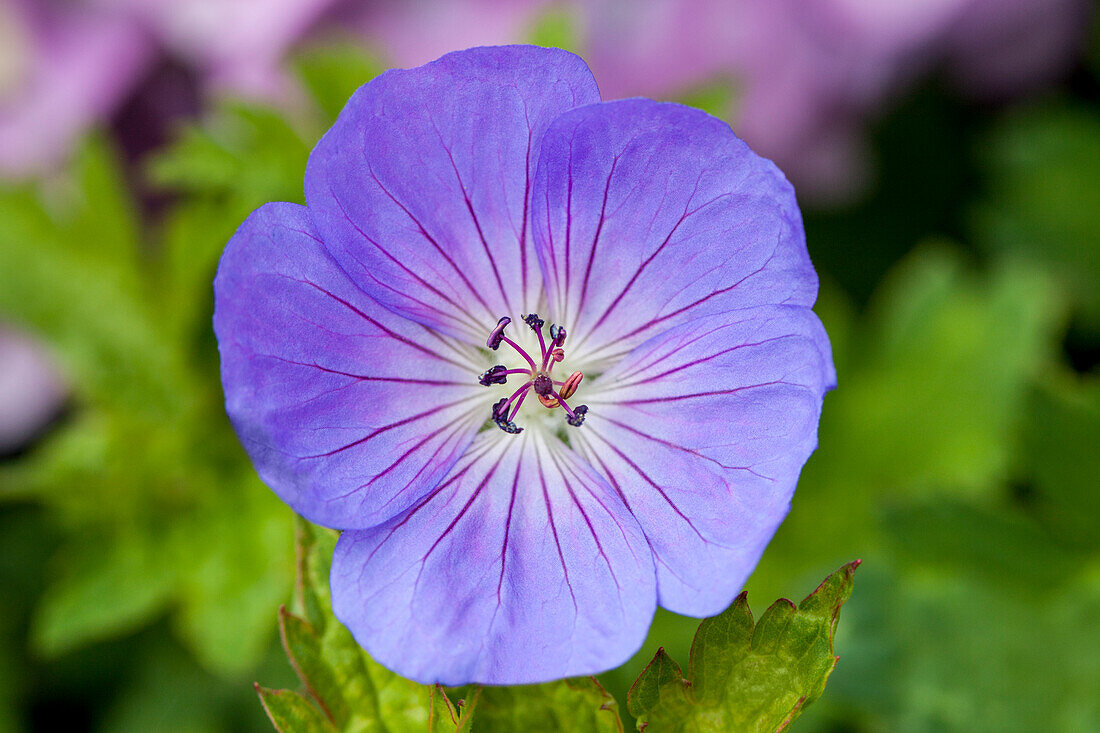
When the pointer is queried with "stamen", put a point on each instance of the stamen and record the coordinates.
(578, 415)
(540, 382)
(493, 375)
(533, 320)
(497, 334)
(500, 413)
(569, 387)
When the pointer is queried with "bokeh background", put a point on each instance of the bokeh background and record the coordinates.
(947, 157)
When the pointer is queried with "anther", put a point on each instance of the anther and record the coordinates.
(494, 375)
(497, 334)
(557, 334)
(557, 355)
(533, 320)
(578, 416)
(500, 417)
(570, 387)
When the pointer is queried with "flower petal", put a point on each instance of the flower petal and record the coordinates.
(523, 566)
(349, 412)
(647, 214)
(421, 188)
(703, 430)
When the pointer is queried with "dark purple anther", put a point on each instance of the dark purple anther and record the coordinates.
(500, 417)
(578, 416)
(557, 334)
(493, 375)
(543, 385)
(497, 334)
(533, 320)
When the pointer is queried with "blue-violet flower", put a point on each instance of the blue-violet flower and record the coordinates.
(548, 362)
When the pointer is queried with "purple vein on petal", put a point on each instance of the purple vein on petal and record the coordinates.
(645, 477)
(694, 395)
(656, 321)
(438, 248)
(409, 272)
(376, 324)
(573, 496)
(684, 449)
(473, 216)
(596, 236)
(554, 529)
(391, 426)
(641, 268)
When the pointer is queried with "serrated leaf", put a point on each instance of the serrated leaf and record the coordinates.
(744, 676)
(303, 647)
(292, 713)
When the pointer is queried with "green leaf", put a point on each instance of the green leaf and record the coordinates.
(109, 586)
(716, 98)
(103, 220)
(243, 152)
(292, 713)
(355, 693)
(1043, 203)
(579, 704)
(236, 566)
(447, 717)
(332, 72)
(938, 651)
(556, 27)
(996, 547)
(744, 676)
(1060, 456)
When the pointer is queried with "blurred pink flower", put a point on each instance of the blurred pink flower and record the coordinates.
(810, 74)
(236, 45)
(31, 390)
(414, 32)
(69, 65)
(65, 68)
(998, 48)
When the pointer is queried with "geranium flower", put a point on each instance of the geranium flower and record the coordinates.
(548, 362)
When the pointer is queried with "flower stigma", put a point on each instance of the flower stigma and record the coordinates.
(552, 393)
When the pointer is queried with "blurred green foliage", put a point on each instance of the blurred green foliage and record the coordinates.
(142, 561)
